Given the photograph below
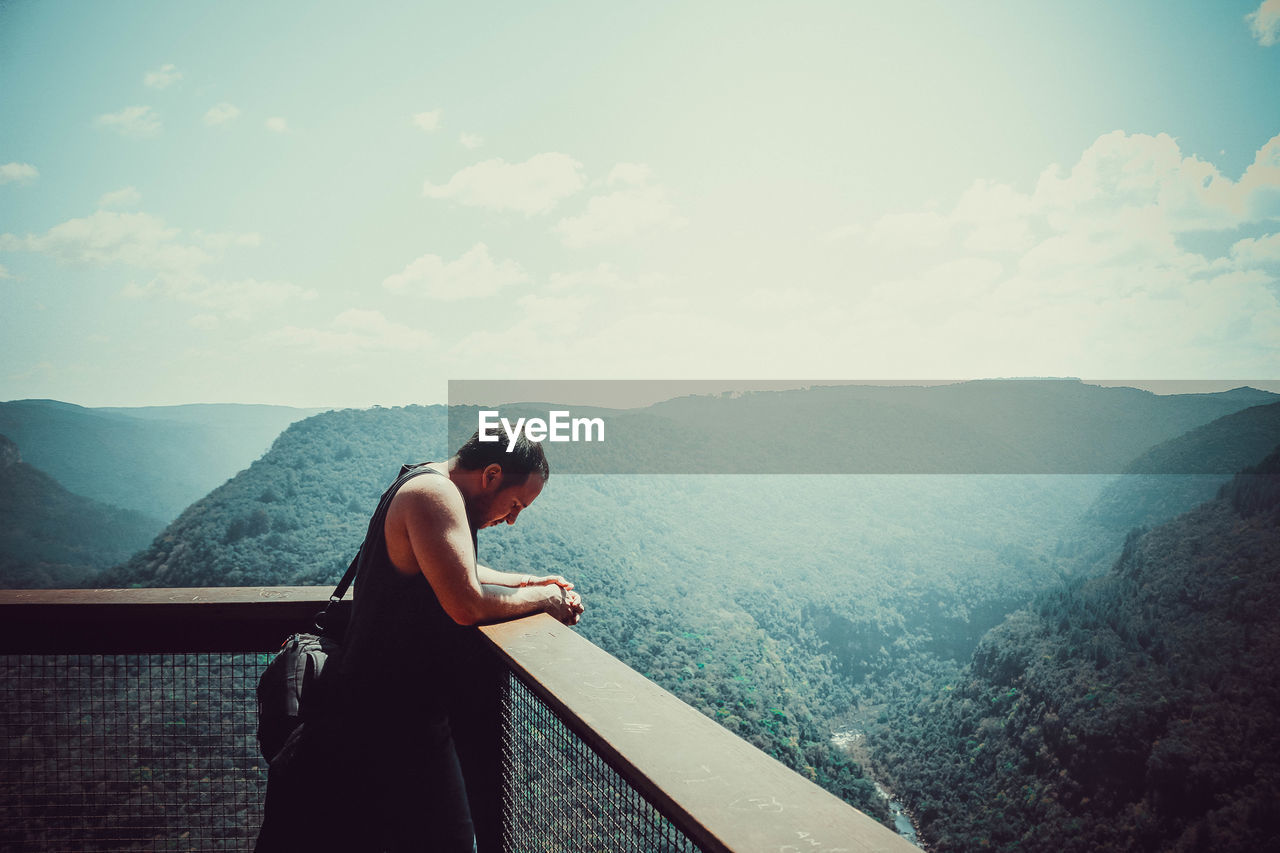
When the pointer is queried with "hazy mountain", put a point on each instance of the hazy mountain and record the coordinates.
(984, 427)
(50, 537)
(297, 514)
(1135, 711)
(156, 460)
(1167, 480)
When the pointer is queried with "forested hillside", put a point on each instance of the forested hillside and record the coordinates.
(1135, 711)
(156, 460)
(52, 538)
(1168, 480)
(297, 515)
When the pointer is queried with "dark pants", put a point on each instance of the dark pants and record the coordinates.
(351, 785)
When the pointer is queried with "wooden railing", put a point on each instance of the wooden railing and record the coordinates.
(722, 793)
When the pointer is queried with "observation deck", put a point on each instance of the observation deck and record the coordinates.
(127, 722)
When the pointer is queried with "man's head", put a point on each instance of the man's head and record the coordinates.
(496, 483)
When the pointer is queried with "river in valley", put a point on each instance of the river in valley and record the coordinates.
(850, 740)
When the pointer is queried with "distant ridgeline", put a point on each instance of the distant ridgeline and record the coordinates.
(1169, 479)
(156, 460)
(52, 538)
(297, 515)
(984, 427)
(1135, 711)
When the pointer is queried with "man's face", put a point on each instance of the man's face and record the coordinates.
(507, 502)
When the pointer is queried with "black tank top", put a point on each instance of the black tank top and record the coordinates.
(400, 645)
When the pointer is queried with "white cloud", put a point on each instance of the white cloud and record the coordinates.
(1120, 174)
(470, 140)
(204, 322)
(534, 186)
(1088, 270)
(925, 229)
(123, 197)
(1260, 183)
(138, 122)
(1257, 251)
(606, 278)
(1265, 22)
(242, 300)
(351, 332)
(18, 172)
(1121, 185)
(622, 214)
(139, 240)
(4, 272)
(428, 122)
(277, 124)
(843, 232)
(247, 299)
(221, 114)
(603, 277)
(629, 174)
(162, 77)
(106, 238)
(548, 332)
(220, 240)
(473, 275)
(175, 263)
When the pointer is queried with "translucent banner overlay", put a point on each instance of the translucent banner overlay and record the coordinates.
(989, 426)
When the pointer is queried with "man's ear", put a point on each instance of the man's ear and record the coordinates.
(492, 475)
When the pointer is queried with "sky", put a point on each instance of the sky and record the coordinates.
(316, 204)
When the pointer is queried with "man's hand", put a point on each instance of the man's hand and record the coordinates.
(564, 604)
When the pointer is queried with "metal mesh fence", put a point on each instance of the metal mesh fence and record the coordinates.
(129, 752)
(158, 752)
(559, 795)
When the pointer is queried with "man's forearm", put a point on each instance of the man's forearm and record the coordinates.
(501, 602)
(493, 577)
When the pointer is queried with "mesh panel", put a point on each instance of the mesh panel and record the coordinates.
(158, 752)
(560, 795)
(129, 752)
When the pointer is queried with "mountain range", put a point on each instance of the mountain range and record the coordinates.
(155, 460)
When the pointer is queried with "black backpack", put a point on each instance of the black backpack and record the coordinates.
(292, 689)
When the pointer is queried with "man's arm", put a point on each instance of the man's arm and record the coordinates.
(427, 531)
(487, 575)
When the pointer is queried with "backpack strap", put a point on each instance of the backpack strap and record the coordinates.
(338, 591)
(350, 575)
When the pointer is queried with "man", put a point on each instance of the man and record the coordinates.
(415, 692)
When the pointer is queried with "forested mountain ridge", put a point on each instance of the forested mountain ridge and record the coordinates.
(1167, 480)
(50, 537)
(1139, 710)
(296, 515)
(156, 460)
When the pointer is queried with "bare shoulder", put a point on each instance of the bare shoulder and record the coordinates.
(427, 518)
(426, 498)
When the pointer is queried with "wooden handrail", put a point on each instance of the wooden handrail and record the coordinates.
(723, 793)
(148, 621)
